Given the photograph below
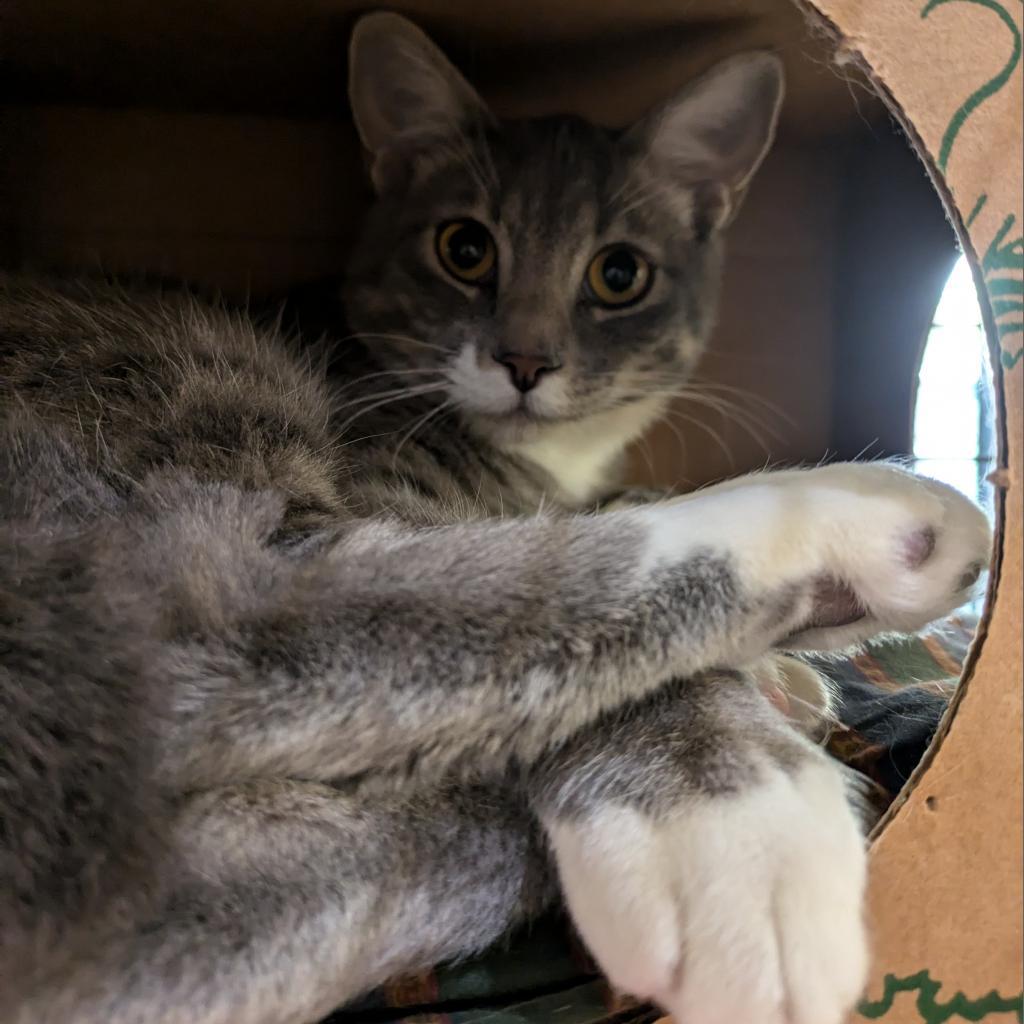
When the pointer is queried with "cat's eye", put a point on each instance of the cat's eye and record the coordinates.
(618, 276)
(467, 251)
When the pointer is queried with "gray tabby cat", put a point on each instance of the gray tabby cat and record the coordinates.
(308, 680)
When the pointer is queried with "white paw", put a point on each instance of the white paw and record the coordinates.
(738, 909)
(909, 549)
(793, 687)
(844, 551)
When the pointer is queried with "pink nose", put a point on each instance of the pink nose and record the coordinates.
(526, 370)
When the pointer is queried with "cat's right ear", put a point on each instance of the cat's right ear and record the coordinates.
(406, 96)
(713, 135)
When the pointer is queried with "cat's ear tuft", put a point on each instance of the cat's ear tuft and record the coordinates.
(405, 94)
(714, 134)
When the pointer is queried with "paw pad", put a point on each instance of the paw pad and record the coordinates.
(919, 547)
(835, 604)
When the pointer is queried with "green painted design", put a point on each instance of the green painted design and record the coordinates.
(1003, 286)
(1006, 293)
(1002, 254)
(982, 200)
(931, 1011)
(990, 88)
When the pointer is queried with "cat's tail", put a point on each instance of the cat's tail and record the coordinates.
(79, 803)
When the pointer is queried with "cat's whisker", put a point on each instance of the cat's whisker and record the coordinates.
(707, 429)
(419, 425)
(405, 339)
(751, 421)
(642, 395)
(403, 390)
(362, 437)
(731, 413)
(391, 398)
(727, 410)
(711, 394)
(725, 404)
(645, 450)
(747, 428)
(405, 372)
(680, 439)
(744, 393)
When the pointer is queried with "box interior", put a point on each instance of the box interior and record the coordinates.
(212, 143)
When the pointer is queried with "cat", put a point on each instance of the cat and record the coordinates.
(321, 666)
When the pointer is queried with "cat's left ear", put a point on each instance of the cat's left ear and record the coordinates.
(712, 136)
(406, 96)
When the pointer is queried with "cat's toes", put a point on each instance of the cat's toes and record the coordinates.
(732, 909)
(935, 561)
(797, 690)
(906, 550)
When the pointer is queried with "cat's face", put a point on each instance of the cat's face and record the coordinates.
(538, 272)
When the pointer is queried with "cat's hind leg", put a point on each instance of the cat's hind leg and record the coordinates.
(293, 898)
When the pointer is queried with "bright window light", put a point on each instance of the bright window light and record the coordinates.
(954, 439)
(954, 423)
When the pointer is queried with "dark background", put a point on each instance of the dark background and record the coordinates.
(210, 141)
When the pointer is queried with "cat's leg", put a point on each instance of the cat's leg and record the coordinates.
(391, 652)
(292, 898)
(711, 858)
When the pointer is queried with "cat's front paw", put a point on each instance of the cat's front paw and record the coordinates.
(898, 552)
(733, 909)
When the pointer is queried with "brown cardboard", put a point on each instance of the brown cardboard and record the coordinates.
(209, 141)
(946, 891)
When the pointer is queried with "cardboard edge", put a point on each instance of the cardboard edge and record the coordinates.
(846, 53)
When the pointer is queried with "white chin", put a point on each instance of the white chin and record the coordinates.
(512, 427)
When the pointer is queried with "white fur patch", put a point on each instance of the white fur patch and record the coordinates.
(486, 391)
(579, 454)
(551, 397)
(747, 523)
(744, 909)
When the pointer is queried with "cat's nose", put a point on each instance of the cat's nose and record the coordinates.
(526, 370)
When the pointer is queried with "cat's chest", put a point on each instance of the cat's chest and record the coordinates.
(579, 473)
(583, 459)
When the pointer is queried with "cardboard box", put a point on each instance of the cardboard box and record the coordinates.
(945, 901)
